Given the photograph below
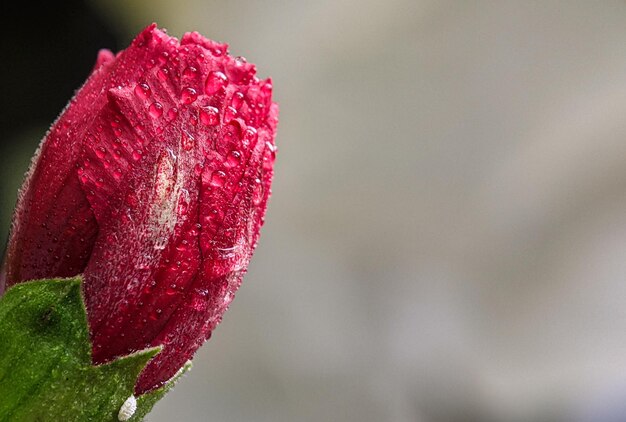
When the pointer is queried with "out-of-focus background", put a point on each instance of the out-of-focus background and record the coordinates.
(447, 237)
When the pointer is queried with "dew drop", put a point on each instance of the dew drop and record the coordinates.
(257, 194)
(209, 116)
(189, 95)
(156, 314)
(101, 152)
(155, 110)
(218, 51)
(226, 253)
(266, 89)
(163, 58)
(136, 155)
(250, 135)
(237, 100)
(142, 90)
(128, 409)
(233, 159)
(214, 82)
(231, 133)
(237, 72)
(172, 113)
(190, 72)
(230, 113)
(163, 73)
(218, 178)
(271, 147)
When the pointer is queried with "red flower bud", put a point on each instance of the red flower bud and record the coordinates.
(153, 183)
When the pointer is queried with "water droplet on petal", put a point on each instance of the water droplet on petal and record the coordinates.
(239, 71)
(156, 314)
(163, 58)
(209, 116)
(155, 110)
(249, 135)
(172, 113)
(230, 113)
(267, 89)
(271, 147)
(163, 73)
(142, 90)
(189, 95)
(218, 51)
(190, 72)
(227, 253)
(218, 178)
(233, 159)
(257, 194)
(214, 82)
(237, 100)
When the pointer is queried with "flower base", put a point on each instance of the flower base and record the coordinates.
(46, 372)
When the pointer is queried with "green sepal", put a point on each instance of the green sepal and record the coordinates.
(46, 373)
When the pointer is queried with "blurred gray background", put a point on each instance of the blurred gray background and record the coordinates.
(447, 237)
